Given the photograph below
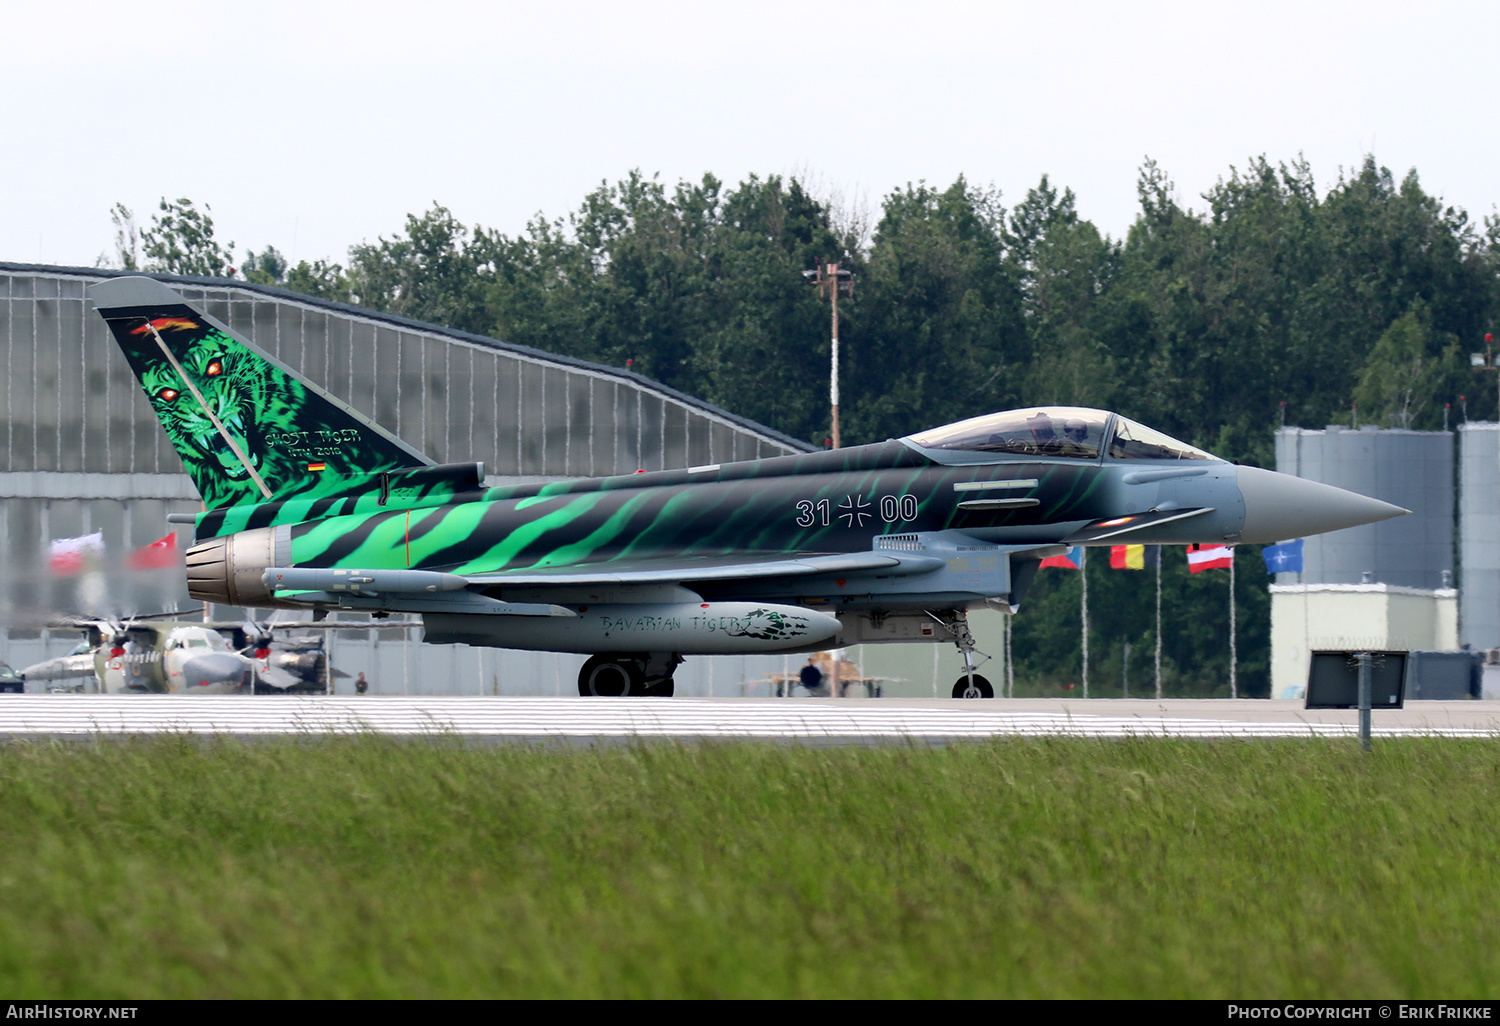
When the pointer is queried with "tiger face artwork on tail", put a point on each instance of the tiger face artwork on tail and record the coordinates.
(246, 406)
(247, 428)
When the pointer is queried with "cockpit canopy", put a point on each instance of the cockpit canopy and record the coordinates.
(1074, 432)
(1134, 441)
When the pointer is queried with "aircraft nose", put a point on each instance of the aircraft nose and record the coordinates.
(213, 668)
(1280, 506)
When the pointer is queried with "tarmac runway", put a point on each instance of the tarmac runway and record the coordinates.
(845, 721)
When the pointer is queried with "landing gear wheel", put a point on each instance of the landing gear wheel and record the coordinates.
(981, 689)
(610, 676)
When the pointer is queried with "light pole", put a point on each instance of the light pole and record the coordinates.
(831, 281)
(1485, 361)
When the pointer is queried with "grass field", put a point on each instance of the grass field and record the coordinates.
(1065, 868)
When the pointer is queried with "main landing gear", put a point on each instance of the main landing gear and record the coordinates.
(971, 684)
(615, 675)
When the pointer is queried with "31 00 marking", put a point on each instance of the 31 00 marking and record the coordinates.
(854, 510)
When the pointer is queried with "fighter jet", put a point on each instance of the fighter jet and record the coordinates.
(72, 672)
(312, 506)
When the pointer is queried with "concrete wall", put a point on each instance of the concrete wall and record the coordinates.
(1307, 618)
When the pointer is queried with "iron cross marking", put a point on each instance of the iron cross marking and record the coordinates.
(854, 515)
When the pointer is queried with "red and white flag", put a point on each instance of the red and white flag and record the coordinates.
(159, 555)
(1209, 557)
(74, 555)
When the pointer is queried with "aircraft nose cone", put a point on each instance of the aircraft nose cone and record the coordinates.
(213, 668)
(1280, 506)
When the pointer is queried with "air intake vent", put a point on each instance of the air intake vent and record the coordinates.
(900, 542)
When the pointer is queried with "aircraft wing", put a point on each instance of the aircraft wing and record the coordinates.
(535, 591)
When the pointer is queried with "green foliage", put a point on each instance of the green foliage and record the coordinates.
(366, 868)
(935, 329)
(1274, 294)
(1408, 369)
(319, 278)
(127, 238)
(1066, 269)
(268, 267)
(430, 273)
(181, 240)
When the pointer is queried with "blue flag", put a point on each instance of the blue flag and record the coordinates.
(1283, 558)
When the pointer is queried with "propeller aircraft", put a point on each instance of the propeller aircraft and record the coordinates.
(312, 506)
(150, 655)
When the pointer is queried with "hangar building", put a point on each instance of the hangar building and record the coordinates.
(81, 452)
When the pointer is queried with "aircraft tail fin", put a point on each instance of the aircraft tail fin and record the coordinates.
(249, 429)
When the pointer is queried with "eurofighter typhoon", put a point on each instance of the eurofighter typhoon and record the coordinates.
(310, 505)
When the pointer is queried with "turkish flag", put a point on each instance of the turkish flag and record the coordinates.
(159, 555)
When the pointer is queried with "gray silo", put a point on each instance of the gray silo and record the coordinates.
(1413, 469)
(1479, 535)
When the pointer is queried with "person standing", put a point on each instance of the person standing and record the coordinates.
(811, 676)
(360, 684)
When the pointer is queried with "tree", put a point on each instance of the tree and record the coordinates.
(181, 240)
(936, 331)
(319, 278)
(699, 286)
(429, 273)
(1410, 371)
(268, 267)
(1064, 269)
(127, 238)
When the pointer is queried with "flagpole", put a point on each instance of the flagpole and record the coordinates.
(1010, 661)
(1233, 660)
(1158, 621)
(1083, 572)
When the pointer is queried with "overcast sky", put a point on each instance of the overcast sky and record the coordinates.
(311, 126)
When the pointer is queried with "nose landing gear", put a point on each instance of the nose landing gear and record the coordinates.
(971, 684)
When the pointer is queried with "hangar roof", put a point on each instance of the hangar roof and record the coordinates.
(408, 324)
